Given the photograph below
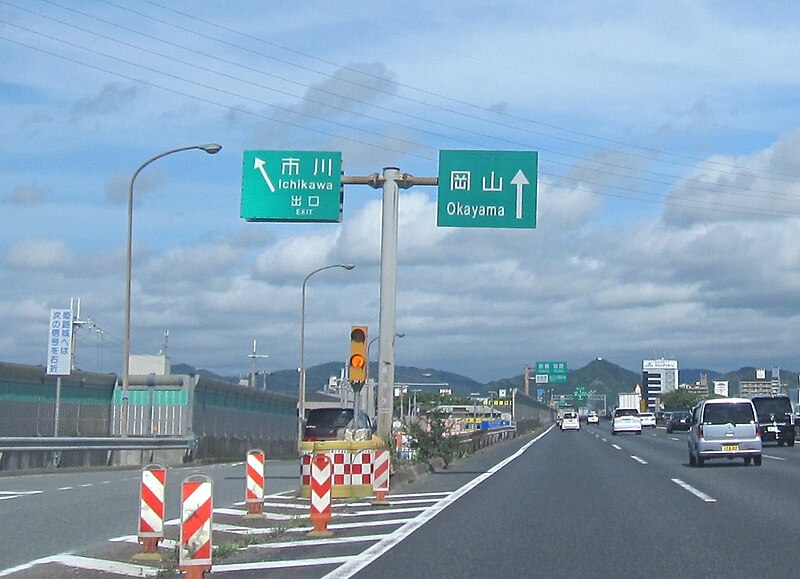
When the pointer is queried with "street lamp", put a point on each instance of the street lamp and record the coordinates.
(211, 149)
(301, 409)
(373, 340)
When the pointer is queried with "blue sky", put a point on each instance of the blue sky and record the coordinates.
(669, 175)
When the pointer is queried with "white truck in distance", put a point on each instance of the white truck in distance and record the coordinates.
(629, 400)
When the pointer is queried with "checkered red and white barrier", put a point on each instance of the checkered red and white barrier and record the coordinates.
(254, 486)
(305, 468)
(340, 460)
(321, 480)
(361, 468)
(380, 480)
(151, 507)
(195, 542)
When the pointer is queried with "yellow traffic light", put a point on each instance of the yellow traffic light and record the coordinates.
(358, 353)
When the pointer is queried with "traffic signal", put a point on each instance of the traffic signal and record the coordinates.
(358, 354)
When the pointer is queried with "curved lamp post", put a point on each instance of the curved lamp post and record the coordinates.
(369, 345)
(301, 408)
(210, 148)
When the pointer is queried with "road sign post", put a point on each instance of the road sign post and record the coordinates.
(487, 189)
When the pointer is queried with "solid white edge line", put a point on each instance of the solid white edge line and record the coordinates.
(699, 494)
(360, 561)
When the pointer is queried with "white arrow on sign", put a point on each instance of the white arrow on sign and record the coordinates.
(259, 164)
(520, 180)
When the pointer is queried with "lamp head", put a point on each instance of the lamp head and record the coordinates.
(347, 266)
(210, 148)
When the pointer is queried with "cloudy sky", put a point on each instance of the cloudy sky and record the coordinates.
(669, 179)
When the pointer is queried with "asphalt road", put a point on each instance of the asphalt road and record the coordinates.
(52, 513)
(565, 504)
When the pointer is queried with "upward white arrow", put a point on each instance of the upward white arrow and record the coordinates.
(259, 164)
(520, 180)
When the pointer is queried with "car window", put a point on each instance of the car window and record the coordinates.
(767, 407)
(737, 413)
(680, 415)
(626, 412)
(330, 417)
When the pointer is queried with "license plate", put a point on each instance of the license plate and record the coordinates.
(730, 447)
(773, 429)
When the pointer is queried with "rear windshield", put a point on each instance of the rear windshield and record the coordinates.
(330, 417)
(680, 415)
(766, 407)
(570, 415)
(734, 413)
(626, 412)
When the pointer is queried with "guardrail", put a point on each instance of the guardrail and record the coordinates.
(33, 443)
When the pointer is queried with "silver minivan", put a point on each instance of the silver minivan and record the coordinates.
(724, 428)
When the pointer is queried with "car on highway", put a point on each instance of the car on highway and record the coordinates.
(593, 417)
(679, 420)
(570, 421)
(626, 420)
(724, 428)
(775, 419)
(337, 424)
(648, 419)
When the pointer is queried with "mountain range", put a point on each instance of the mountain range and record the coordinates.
(600, 375)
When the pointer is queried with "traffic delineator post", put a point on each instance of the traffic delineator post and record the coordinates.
(321, 475)
(194, 554)
(380, 477)
(151, 512)
(254, 487)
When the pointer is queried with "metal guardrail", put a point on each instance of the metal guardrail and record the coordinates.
(32, 443)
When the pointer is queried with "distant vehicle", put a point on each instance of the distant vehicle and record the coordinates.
(592, 417)
(648, 419)
(662, 417)
(570, 421)
(724, 428)
(629, 400)
(626, 420)
(679, 420)
(775, 419)
(337, 424)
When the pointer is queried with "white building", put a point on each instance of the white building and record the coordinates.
(658, 377)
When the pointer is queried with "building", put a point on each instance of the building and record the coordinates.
(658, 377)
(761, 386)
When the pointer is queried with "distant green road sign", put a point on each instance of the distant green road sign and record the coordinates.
(292, 186)
(487, 189)
(547, 372)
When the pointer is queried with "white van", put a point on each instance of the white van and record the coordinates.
(724, 428)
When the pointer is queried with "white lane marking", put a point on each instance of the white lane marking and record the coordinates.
(319, 542)
(116, 567)
(6, 495)
(604, 440)
(639, 460)
(30, 564)
(258, 565)
(699, 494)
(360, 561)
(86, 485)
(65, 489)
(773, 457)
(674, 438)
(617, 446)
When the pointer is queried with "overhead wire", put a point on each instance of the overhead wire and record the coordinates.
(417, 144)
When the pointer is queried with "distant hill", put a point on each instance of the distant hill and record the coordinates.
(600, 375)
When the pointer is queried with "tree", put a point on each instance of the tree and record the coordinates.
(433, 441)
(680, 399)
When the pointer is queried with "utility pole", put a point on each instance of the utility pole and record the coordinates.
(253, 357)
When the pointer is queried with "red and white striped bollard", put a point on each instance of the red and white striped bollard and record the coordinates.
(380, 476)
(196, 509)
(254, 487)
(321, 480)
(151, 512)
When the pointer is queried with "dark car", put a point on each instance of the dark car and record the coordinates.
(775, 419)
(679, 420)
(334, 423)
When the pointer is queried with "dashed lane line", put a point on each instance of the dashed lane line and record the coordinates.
(699, 494)
(639, 460)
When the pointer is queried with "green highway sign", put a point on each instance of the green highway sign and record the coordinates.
(292, 186)
(580, 393)
(551, 372)
(487, 189)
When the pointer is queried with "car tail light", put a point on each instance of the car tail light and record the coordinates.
(700, 431)
(758, 431)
